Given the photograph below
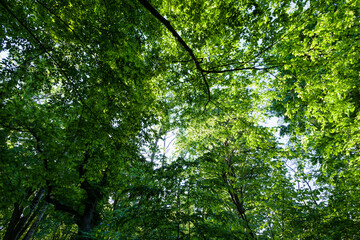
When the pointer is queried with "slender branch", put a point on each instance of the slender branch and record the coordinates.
(26, 61)
(226, 176)
(167, 24)
(206, 105)
(183, 61)
(155, 145)
(307, 183)
(239, 69)
(172, 140)
(243, 64)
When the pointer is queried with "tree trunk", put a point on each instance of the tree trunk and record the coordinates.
(12, 228)
(20, 222)
(86, 221)
(227, 178)
(36, 223)
(90, 217)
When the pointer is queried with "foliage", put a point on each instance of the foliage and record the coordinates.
(89, 90)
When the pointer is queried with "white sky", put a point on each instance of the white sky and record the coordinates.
(3, 55)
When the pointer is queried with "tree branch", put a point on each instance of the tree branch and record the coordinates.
(238, 69)
(61, 206)
(167, 24)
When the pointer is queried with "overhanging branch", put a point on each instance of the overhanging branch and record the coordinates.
(167, 24)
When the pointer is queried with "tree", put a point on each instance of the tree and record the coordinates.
(316, 95)
(72, 107)
(90, 88)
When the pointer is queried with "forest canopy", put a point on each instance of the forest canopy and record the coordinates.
(146, 119)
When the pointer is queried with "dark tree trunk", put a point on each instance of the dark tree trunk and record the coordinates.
(90, 217)
(87, 220)
(12, 230)
(20, 222)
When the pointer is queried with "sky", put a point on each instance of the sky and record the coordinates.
(3, 54)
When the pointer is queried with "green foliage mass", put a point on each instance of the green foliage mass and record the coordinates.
(91, 91)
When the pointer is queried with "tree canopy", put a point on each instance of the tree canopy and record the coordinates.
(91, 90)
